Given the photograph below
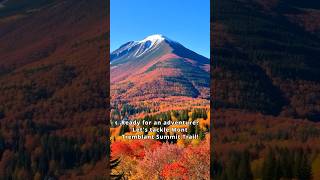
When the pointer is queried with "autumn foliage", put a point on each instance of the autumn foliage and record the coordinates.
(174, 171)
(163, 160)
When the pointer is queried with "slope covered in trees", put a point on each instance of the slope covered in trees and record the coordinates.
(264, 61)
(266, 89)
(256, 146)
(53, 89)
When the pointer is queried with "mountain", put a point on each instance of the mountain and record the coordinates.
(158, 67)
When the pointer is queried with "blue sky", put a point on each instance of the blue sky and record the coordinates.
(185, 21)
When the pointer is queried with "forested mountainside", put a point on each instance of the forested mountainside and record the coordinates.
(158, 67)
(266, 81)
(267, 58)
(53, 89)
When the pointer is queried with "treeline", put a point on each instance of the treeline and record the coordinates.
(180, 115)
(119, 111)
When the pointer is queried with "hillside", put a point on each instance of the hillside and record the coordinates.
(266, 61)
(255, 146)
(266, 89)
(52, 105)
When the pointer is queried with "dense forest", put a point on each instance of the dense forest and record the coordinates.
(53, 89)
(264, 61)
(265, 89)
(164, 158)
(255, 146)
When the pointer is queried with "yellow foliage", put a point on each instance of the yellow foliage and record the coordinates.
(181, 143)
(316, 168)
(256, 167)
(173, 118)
(127, 166)
(115, 131)
(152, 133)
(204, 124)
(195, 141)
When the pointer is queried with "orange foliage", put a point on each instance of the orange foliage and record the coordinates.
(120, 148)
(174, 171)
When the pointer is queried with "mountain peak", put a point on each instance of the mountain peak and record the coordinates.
(149, 46)
(141, 47)
(154, 38)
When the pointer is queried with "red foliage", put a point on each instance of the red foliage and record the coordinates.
(120, 149)
(137, 148)
(174, 171)
(134, 148)
(138, 144)
(155, 146)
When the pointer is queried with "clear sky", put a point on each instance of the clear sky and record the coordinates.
(185, 21)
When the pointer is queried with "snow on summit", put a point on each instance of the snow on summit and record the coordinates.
(134, 49)
(153, 38)
(141, 47)
(148, 44)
